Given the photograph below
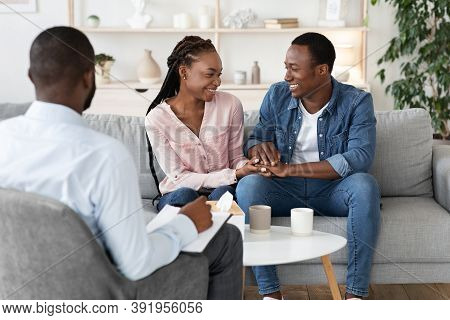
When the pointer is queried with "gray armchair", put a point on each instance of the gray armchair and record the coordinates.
(47, 252)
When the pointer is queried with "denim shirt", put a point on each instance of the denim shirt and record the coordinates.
(345, 130)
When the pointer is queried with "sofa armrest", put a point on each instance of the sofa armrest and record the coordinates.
(441, 175)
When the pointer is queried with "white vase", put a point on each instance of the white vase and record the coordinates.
(139, 20)
(148, 70)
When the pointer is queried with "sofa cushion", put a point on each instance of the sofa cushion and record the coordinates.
(402, 164)
(9, 110)
(131, 132)
(408, 231)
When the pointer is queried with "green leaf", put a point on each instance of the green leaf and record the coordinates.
(423, 45)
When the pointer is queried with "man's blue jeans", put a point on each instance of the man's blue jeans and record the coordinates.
(182, 196)
(356, 197)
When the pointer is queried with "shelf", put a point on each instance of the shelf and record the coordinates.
(133, 84)
(290, 30)
(220, 30)
(147, 30)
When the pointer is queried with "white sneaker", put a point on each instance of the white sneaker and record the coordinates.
(270, 298)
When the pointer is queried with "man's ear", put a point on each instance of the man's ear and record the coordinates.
(323, 69)
(30, 76)
(87, 78)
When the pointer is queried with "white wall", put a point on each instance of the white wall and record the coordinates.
(238, 51)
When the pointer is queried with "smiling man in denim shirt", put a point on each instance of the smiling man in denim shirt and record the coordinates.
(316, 142)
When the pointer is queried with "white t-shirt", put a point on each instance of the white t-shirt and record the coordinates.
(306, 148)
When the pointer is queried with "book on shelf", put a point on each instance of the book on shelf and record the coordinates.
(281, 20)
(281, 25)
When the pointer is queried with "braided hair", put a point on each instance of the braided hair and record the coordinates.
(185, 53)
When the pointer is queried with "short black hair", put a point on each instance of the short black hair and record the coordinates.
(60, 54)
(320, 47)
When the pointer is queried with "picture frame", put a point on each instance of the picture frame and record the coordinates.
(13, 6)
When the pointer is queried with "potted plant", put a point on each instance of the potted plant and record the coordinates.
(103, 64)
(422, 45)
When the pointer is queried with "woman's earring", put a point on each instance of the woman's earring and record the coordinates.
(184, 77)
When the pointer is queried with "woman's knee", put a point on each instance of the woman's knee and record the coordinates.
(182, 196)
(220, 191)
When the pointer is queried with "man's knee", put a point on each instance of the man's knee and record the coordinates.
(249, 184)
(233, 233)
(364, 185)
(234, 238)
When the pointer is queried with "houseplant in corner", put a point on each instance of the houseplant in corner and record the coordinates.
(423, 46)
(103, 64)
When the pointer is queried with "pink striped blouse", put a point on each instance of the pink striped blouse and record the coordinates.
(209, 160)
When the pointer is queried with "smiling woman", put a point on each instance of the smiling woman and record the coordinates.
(195, 131)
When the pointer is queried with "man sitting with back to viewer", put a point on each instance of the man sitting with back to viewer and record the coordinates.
(52, 152)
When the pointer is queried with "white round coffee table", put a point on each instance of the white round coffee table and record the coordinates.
(280, 246)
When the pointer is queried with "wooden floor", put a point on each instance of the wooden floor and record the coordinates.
(432, 291)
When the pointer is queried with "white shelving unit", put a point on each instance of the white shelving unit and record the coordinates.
(252, 93)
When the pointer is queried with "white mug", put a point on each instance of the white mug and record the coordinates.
(302, 221)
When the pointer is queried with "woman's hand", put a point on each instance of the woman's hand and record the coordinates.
(249, 168)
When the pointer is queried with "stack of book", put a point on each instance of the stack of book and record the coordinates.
(281, 23)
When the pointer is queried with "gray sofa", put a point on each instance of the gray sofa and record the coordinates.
(414, 177)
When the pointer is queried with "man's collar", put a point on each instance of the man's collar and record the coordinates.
(55, 113)
(294, 103)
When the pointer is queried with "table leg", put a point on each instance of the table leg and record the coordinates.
(328, 268)
(243, 283)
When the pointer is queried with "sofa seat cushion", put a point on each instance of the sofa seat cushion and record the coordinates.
(413, 229)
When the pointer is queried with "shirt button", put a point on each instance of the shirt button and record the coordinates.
(204, 157)
(320, 119)
(295, 131)
(290, 147)
(321, 153)
(320, 135)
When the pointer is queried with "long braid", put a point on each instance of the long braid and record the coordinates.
(184, 53)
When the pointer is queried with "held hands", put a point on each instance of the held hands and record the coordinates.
(249, 168)
(280, 170)
(199, 212)
(270, 164)
(267, 152)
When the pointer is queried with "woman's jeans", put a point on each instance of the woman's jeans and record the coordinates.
(356, 197)
(183, 196)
